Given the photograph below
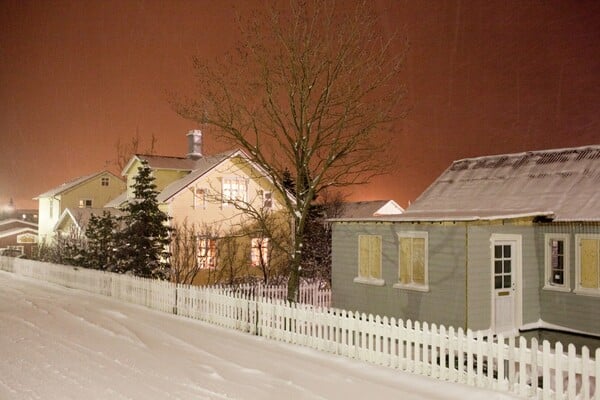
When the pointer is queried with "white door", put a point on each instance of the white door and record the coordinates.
(505, 297)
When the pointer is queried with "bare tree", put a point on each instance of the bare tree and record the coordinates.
(125, 150)
(311, 88)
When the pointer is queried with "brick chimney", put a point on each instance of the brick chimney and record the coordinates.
(194, 144)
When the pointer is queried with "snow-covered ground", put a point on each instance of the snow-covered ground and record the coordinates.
(58, 343)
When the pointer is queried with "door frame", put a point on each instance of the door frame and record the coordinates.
(518, 276)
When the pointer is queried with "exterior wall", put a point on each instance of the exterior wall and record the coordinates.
(444, 303)
(162, 177)
(568, 309)
(90, 190)
(480, 273)
(46, 218)
(214, 212)
(17, 240)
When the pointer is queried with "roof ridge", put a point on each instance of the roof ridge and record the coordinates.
(158, 155)
(531, 152)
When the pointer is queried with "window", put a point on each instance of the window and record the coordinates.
(104, 181)
(587, 258)
(207, 253)
(412, 261)
(259, 252)
(369, 260)
(199, 198)
(51, 208)
(267, 200)
(85, 203)
(557, 262)
(234, 189)
(15, 250)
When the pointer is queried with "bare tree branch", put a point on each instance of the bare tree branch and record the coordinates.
(312, 88)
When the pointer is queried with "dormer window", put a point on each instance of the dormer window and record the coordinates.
(104, 181)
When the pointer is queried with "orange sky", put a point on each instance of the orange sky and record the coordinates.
(484, 77)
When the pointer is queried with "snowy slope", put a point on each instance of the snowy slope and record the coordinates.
(58, 343)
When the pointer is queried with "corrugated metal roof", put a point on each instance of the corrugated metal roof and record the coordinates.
(563, 182)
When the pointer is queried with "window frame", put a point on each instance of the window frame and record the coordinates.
(208, 260)
(256, 251)
(267, 199)
(578, 288)
(370, 280)
(83, 203)
(234, 182)
(414, 286)
(199, 198)
(19, 248)
(104, 181)
(548, 285)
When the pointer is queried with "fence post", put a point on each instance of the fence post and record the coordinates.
(585, 373)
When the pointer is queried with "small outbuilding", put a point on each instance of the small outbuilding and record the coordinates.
(498, 243)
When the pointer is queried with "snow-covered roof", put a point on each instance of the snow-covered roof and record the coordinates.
(202, 166)
(163, 162)
(81, 216)
(16, 221)
(71, 184)
(367, 209)
(561, 184)
(17, 231)
(117, 201)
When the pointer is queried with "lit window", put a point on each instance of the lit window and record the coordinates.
(234, 189)
(587, 258)
(259, 254)
(207, 253)
(557, 262)
(104, 181)
(369, 260)
(85, 203)
(412, 261)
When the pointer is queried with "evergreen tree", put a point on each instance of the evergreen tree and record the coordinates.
(145, 235)
(101, 236)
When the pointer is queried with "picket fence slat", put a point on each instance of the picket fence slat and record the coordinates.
(444, 353)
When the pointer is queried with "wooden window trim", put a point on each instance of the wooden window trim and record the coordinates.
(414, 286)
(548, 284)
(579, 289)
(370, 242)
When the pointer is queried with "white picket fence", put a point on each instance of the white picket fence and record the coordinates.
(308, 293)
(505, 364)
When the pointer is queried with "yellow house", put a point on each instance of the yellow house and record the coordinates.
(91, 191)
(212, 194)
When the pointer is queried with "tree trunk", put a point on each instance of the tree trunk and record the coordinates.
(294, 279)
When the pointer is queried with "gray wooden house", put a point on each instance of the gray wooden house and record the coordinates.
(500, 243)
